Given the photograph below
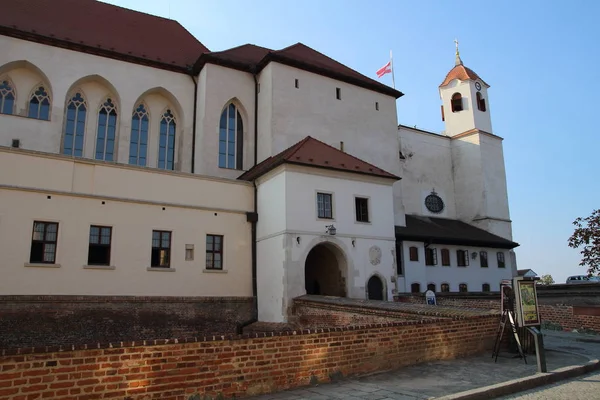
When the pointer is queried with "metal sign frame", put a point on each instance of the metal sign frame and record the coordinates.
(528, 313)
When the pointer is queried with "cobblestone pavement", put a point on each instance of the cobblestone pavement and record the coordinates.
(434, 379)
(585, 387)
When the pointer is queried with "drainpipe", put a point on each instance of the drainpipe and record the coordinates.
(194, 121)
(253, 217)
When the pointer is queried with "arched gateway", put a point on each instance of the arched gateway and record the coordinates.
(324, 271)
(375, 288)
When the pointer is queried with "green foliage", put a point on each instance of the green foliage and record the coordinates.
(587, 237)
(546, 280)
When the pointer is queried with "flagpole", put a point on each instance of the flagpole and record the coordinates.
(392, 65)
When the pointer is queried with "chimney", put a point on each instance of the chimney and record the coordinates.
(342, 146)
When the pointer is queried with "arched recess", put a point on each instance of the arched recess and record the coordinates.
(157, 102)
(26, 77)
(95, 90)
(325, 270)
(376, 288)
(232, 156)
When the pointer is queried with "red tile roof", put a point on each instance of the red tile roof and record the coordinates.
(462, 73)
(314, 153)
(99, 28)
(252, 58)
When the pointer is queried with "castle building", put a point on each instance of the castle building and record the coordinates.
(136, 162)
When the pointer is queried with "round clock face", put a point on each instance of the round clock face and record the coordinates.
(477, 85)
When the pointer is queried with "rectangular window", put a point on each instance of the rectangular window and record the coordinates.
(377, 106)
(324, 205)
(462, 258)
(296, 83)
(99, 246)
(500, 256)
(414, 254)
(214, 251)
(430, 256)
(445, 257)
(43, 243)
(362, 209)
(483, 259)
(399, 258)
(338, 93)
(161, 249)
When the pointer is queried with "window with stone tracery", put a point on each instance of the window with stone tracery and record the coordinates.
(39, 104)
(138, 144)
(75, 126)
(166, 141)
(7, 97)
(107, 131)
(231, 138)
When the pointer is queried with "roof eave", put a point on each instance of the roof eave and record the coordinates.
(208, 58)
(324, 72)
(82, 48)
(458, 241)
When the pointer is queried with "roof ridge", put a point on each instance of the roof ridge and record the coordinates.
(239, 47)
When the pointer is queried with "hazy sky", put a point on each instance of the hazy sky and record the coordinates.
(541, 59)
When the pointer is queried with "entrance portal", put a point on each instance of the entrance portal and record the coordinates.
(323, 271)
(375, 288)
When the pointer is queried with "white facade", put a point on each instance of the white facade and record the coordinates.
(290, 228)
(464, 167)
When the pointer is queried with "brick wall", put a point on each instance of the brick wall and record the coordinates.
(241, 366)
(27, 321)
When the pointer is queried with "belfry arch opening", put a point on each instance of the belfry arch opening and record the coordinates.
(325, 271)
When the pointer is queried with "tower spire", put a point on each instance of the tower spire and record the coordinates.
(458, 61)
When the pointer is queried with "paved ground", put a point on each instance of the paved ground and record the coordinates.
(582, 388)
(435, 379)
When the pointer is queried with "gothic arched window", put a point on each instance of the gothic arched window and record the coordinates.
(166, 142)
(138, 144)
(456, 102)
(107, 131)
(75, 126)
(480, 102)
(39, 104)
(231, 138)
(7, 97)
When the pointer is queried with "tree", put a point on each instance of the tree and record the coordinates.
(546, 280)
(587, 237)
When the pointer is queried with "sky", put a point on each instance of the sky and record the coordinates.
(541, 59)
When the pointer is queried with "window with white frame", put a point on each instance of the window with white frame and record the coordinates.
(462, 258)
(166, 141)
(107, 131)
(231, 138)
(39, 104)
(430, 256)
(324, 205)
(7, 97)
(138, 142)
(75, 126)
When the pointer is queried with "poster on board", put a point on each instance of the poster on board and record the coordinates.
(527, 304)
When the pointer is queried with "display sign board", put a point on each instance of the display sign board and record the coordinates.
(526, 300)
(430, 297)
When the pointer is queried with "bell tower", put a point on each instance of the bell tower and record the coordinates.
(465, 104)
(480, 189)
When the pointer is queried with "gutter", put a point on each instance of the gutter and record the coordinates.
(253, 218)
(191, 71)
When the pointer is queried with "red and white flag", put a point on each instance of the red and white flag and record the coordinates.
(386, 69)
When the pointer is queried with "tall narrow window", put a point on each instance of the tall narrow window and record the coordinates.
(430, 256)
(99, 247)
(431, 287)
(462, 287)
(413, 253)
(75, 126)
(483, 259)
(106, 134)
(161, 249)
(214, 251)
(415, 288)
(324, 205)
(480, 102)
(399, 258)
(456, 102)
(39, 104)
(485, 287)
(445, 257)
(338, 93)
(462, 258)
(43, 243)
(166, 142)
(7, 98)
(445, 288)
(231, 138)
(500, 257)
(138, 145)
(362, 209)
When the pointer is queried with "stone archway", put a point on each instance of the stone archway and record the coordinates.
(375, 288)
(324, 271)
